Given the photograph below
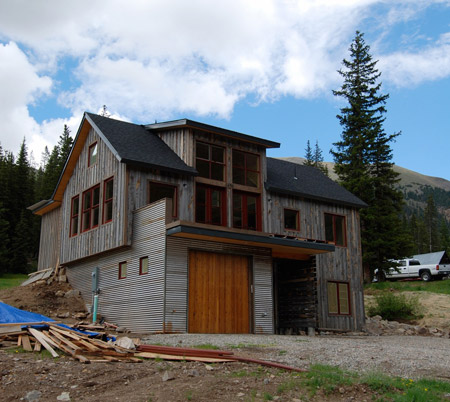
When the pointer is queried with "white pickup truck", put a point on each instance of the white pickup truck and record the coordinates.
(412, 268)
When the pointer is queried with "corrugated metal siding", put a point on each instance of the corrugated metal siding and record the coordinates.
(135, 302)
(50, 239)
(177, 281)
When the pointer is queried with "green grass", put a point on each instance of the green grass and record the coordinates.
(442, 287)
(11, 280)
(207, 346)
(395, 306)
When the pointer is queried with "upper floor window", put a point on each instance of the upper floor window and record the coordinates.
(108, 188)
(74, 215)
(143, 265)
(210, 205)
(158, 191)
(338, 298)
(291, 219)
(335, 229)
(246, 211)
(246, 168)
(93, 154)
(91, 206)
(210, 161)
(123, 270)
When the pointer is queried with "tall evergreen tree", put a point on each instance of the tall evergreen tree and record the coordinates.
(363, 157)
(431, 221)
(309, 156)
(315, 158)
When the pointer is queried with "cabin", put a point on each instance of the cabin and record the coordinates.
(181, 226)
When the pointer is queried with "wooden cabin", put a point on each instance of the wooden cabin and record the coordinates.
(185, 227)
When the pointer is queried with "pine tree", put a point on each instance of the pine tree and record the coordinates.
(309, 157)
(315, 158)
(363, 157)
(431, 221)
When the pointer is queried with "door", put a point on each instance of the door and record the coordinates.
(219, 293)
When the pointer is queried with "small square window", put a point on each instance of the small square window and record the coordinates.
(143, 266)
(291, 219)
(122, 270)
(93, 153)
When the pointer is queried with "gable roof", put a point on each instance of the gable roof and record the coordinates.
(307, 181)
(134, 144)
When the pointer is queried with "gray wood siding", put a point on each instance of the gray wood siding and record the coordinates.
(105, 236)
(50, 239)
(181, 142)
(135, 302)
(177, 282)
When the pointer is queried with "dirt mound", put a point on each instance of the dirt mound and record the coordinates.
(51, 298)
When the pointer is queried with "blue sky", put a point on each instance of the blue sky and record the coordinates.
(265, 68)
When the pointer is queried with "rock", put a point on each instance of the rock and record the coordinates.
(125, 342)
(208, 367)
(193, 373)
(33, 396)
(65, 396)
(168, 376)
(240, 395)
(121, 329)
(59, 293)
(422, 331)
(341, 390)
(72, 293)
(62, 278)
(376, 318)
(266, 381)
(63, 315)
(80, 316)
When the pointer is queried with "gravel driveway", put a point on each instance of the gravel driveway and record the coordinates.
(404, 356)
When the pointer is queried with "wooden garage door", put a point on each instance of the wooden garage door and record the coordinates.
(218, 293)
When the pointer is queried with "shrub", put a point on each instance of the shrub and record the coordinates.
(391, 306)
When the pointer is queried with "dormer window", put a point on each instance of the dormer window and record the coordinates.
(210, 161)
(246, 169)
(93, 153)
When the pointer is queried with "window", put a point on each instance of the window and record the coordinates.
(158, 191)
(335, 230)
(143, 265)
(122, 270)
(93, 153)
(91, 200)
(108, 187)
(291, 219)
(210, 161)
(339, 298)
(246, 211)
(74, 214)
(210, 205)
(245, 168)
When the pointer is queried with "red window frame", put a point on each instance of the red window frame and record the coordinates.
(338, 298)
(93, 148)
(164, 185)
(91, 209)
(74, 216)
(332, 237)
(244, 214)
(123, 275)
(141, 272)
(210, 161)
(107, 202)
(297, 219)
(207, 206)
(245, 170)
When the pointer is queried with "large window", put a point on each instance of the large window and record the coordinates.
(291, 219)
(210, 161)
(338, 298)
(157, 191)
(210, 205)
(91, 201)
(93, 154)
(108, 188)
(246, 211)
(335, 230)
(246, 168)
(74, 215)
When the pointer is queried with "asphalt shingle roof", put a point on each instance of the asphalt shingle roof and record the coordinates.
(135, 145)
(306, 181)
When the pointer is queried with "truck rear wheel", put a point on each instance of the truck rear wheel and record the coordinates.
(426, 276)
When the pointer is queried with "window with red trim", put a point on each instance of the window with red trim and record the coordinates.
(74, 215)
(246, 211)
(335, 230)
(338, 298)
(291, 219)
(157, 191)
(210, 205)
(246, 168)
(93, 154)
(91, 208)
(108, 192)
(143, 265)
(123, 269)
(210, 161)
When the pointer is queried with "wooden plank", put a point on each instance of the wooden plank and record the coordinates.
(43, 340)
(149, 355)
(26, 343)
(10, 328)
(57, 335)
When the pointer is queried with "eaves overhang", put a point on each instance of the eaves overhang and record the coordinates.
(281, 247)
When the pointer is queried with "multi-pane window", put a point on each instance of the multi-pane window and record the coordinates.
(210, 205)
(335, 230)
(108, 188)
(246, 211)
(291, 219)
(338, 298)
(74, 215)
(93, 154)
(123, 270)
(143, 265)
(158, 191)
(210, 161)
(246, 168)
(91, 207)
